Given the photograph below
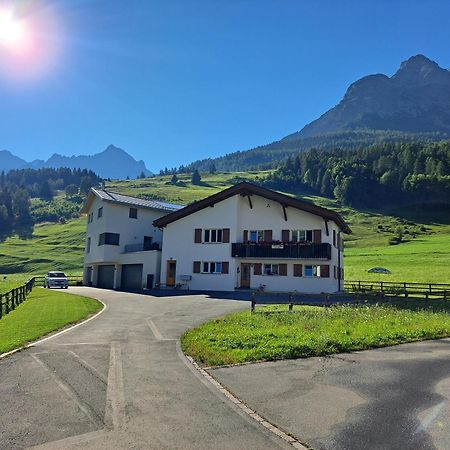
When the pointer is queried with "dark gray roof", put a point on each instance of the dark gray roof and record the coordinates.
(133, 201)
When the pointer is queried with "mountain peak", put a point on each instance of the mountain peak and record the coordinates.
(419, 69)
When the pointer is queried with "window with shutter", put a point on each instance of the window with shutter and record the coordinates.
(257, 269)
(196, 267)
(298, 270)
(268, 235)
(282, 270)
(325, 271)
(198, 236)
(226, 235)
(225, 266)
(285, 235)
(245, 236)
(317, 236)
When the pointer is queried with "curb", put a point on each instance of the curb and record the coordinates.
(31, 344)
(295, 443)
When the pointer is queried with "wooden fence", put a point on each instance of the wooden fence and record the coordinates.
(13, 298)
(399, 289)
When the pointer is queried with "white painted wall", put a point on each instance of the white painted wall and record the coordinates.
(235, 213)
(115, 219)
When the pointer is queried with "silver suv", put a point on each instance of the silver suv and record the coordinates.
(56, 279)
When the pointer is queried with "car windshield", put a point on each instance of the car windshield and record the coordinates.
(56, 274)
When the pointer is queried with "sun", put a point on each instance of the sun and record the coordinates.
(13, 32)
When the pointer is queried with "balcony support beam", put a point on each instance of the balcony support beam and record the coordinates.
(327, 231)
(285, 213)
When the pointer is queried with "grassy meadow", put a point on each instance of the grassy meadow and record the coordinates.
(43, 312)
(274, 333)
(423, 256)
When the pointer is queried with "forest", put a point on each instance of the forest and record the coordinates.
(19, 187)
(380, 176)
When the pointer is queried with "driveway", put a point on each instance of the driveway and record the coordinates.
(120, 381)
(395, 398)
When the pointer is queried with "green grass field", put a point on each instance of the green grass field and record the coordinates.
(313, 331)
(425, 257)
(43, 312)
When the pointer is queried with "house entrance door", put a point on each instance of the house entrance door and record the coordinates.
(171, 273)
(245, 276)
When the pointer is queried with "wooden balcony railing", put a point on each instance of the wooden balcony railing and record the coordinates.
(288, 250)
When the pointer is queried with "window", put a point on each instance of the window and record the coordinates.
(312, 271)
(108, 239)
(213, 236)
(257, 236)
(90, 217)
(88, 245)
(100, 212)
(133, 213)
(212, 267)
(271, 269)
(302, 235)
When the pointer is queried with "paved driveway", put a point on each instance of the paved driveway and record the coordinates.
(120, 381)
(387, 399)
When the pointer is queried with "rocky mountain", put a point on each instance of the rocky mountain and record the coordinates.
(415, 99)
(113, 162)
(412, 105)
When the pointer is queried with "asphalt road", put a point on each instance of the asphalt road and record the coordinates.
(121, 382)
(395, 398)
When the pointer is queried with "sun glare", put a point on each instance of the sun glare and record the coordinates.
(13, 32)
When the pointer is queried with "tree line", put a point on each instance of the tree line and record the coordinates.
(384, 175)
(17, 187)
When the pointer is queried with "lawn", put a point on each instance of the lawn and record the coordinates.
(273, 333)
(43, 312)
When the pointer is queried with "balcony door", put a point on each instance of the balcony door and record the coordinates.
(171, 273)
(245, 276)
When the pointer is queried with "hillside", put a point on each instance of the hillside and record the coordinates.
(113, 162)
(423, 244)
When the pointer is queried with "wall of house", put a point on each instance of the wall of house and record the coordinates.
(115, 219)
(235, 213)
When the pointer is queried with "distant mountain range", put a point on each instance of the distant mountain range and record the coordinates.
(113, 162)
(413, 104)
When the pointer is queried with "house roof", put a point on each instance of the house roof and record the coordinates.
(248, 189)
(114, 197)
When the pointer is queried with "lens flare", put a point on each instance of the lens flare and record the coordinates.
(13, 32)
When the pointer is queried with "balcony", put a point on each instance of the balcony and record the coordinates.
(286, 250)
(131, 248)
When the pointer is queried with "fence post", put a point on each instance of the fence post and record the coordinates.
(1, 305)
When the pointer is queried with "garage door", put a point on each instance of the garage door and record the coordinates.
(105, 277)
(132, 277)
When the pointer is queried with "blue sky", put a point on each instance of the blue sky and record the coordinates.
(174, 81)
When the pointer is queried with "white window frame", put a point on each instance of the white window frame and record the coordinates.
(213, 236)
(315, 271)
(207, 266)
(301, 235)
(259, 235)
(271, 270)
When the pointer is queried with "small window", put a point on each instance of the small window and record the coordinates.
(213, 236)
(312, 271)
(90, 217)
(257, 235)
(133, 213)
(100, 212)
(212, 267)
(109, 239)
(88, 245)
(271, 269)
(302, 235)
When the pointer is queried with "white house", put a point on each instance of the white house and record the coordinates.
(247, 237)
(123, 248)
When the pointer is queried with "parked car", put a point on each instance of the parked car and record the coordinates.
(56, 279)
